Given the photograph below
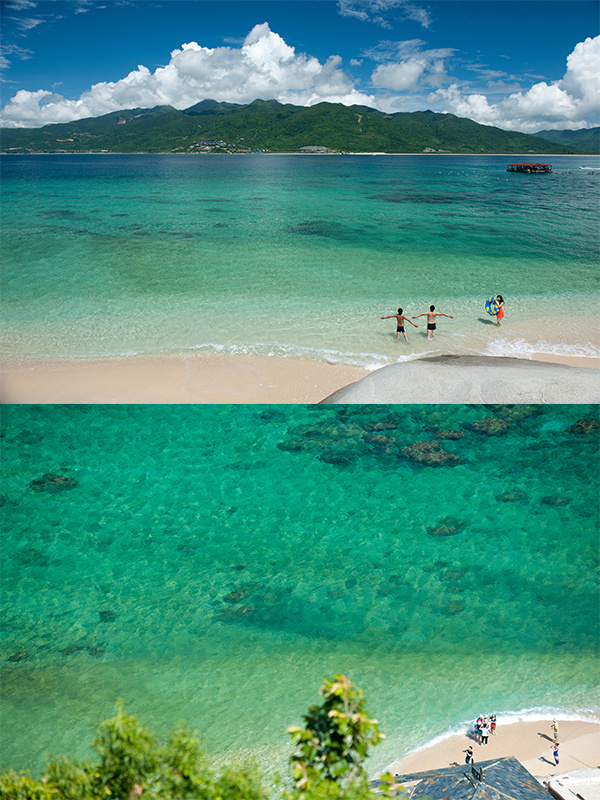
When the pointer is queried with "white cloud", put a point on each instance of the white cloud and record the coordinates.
(400, 77)
(264, 67)
(19, 5)
(27, 23)
(572, 102)
(375, 11)
(407, 67)
(408, 77)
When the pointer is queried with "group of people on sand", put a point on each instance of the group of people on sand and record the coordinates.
(432, 314)
(483, 727)
(486, 726)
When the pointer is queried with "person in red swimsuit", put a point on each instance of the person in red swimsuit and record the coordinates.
(500, 312)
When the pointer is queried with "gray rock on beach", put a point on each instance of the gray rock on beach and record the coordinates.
(473, 379)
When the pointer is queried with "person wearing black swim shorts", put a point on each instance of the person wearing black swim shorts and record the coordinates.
(431, 315)
(401, 319)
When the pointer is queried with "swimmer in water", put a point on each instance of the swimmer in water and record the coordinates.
(400, 320)
(431, 315)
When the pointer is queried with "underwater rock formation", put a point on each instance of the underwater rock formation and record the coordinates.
(450, 434)
(271, 415)
(389, 424)
(22, 655)
(452, 608)
(28, 437)
(448, 526)
(585, 426)
(430, 454)
(556, 500)
(379, 439)
(489, 426)
(240, 593)
(454, 574)
(292, 446)
(516, 412)
(53, 483)
(514, 496)
(68, 651)
(107, 615)
(96, 651)
(339, 458)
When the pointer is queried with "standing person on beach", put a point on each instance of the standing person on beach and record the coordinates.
(554, 727)
(401, 319)
(431, 315)
(485, 732)
(469, 754)
(555, 752)
(493, 724)
(500, 312)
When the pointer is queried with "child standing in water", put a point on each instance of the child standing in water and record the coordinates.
(500, 312)
(401, 319)
(431, 315)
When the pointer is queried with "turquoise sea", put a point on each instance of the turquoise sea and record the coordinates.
(217, 563)
(296, 255)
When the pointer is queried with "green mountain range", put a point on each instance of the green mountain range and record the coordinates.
(586, 141)
(269, 126)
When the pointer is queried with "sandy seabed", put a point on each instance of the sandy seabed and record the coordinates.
(227, 379)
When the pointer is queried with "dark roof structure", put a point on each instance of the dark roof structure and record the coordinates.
(526, 166)
(498, 779)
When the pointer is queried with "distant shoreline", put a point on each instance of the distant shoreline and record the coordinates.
(298, 153)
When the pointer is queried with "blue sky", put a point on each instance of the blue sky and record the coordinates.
(524, 65)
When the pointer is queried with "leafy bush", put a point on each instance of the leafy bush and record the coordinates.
(328, 764)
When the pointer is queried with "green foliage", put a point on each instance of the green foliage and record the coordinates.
(336, 739)
(236, 784)
(127, 752)
(269, 125)
(72, 780)
(586, 141)
(328, 766)
(24, 787)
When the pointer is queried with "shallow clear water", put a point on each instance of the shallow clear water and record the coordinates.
(216, 563)
(295, 255)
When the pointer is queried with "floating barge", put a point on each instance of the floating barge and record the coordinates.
(529, 168)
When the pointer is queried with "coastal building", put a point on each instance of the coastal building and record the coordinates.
(579, 784)
(497, 779)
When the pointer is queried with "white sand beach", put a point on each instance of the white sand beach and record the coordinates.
(529, 742)
(172, 379)
(263, 379)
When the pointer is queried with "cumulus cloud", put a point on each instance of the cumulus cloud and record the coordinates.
(408, 77)
(572, 102)
(263, 67)
(408, 67)
(399, 77)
